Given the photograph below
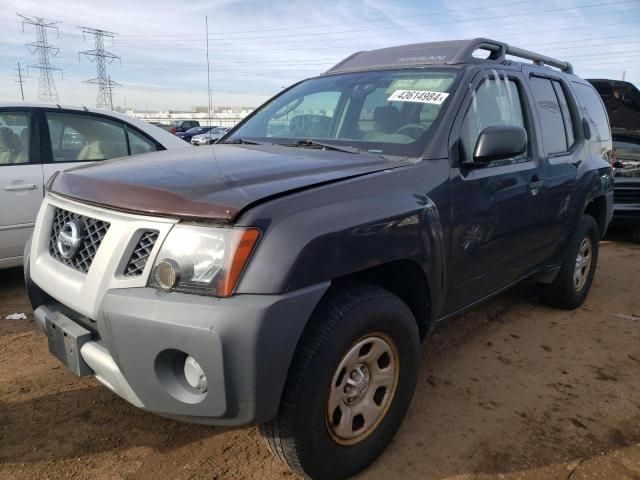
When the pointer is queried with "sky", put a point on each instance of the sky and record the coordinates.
(257, 47)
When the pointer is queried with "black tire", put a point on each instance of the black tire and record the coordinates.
(635, 234)
(300, 435)
(563, 292)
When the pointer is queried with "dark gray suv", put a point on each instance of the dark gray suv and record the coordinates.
(286, 276)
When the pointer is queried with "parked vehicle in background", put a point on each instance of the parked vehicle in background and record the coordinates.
(183, 125)
(286, 279)
(188, 135)
(37, 140)
(211, 137)
(622, 100)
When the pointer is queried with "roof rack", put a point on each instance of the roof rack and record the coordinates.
(439, 53)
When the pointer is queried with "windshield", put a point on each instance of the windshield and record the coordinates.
(386, 112)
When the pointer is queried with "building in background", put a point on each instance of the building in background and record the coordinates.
(221, 116)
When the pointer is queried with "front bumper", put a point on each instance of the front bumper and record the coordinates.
(244, 343)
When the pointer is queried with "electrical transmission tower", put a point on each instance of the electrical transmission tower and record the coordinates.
(101, 57)
(46, 87)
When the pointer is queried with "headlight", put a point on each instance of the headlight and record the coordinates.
(203, 260)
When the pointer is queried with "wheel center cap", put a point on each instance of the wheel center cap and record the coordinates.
(357, 384)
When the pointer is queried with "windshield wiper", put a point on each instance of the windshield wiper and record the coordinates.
(242, 141)
(324, 146)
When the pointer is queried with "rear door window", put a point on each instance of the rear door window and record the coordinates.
(593, 111)
(78, 137)
(566, 112)
(554, 135)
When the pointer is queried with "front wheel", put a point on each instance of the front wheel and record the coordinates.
(349, 386)
(570, 288)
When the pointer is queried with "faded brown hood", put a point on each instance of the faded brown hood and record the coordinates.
(209, 182)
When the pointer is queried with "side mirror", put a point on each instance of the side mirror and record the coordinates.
(498, 143)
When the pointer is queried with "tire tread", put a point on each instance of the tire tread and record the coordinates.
(278, 433)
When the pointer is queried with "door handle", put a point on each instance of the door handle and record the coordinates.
(22, 186)
(535, 184)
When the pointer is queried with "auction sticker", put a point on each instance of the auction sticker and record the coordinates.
(418, 96)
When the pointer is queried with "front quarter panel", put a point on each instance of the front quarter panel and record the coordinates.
(327, 232)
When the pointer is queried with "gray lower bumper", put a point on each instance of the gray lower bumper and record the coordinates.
(244, 343)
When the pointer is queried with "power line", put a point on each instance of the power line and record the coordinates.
(101, 57)
(306, 27)
(343, 46)
(242, 41)
(326, 25)
(20, 80)
(46, 86)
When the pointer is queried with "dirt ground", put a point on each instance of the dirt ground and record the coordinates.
(510, 390)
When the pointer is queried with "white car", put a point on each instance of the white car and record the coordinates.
(39, 139)
(212, 136)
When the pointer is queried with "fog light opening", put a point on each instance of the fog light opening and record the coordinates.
(194, 374)
(167, 273)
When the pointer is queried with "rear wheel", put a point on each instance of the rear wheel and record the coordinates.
(571, 286)
(349, 386)
(635, 234)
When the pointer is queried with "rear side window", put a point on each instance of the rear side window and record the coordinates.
(593, 111)
(554, 134)
(139, 143)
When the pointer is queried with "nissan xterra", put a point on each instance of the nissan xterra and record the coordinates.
(286, 276)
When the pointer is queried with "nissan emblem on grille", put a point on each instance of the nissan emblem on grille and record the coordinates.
(75, 238)
(70, 239)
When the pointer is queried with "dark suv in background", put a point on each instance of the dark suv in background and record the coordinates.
(286, 276)
(183, 125)
(622, 100)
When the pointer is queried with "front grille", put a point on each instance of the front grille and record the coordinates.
(140, 254)
(626, 195)
(94, 232)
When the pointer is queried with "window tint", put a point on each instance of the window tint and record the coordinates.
(566, 113)
(554, 136)
(14, 138)
(140, 143)
(77, 137)
(593, 111)
(496, 103)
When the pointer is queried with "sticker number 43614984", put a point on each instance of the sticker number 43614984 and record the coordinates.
(418, 96)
